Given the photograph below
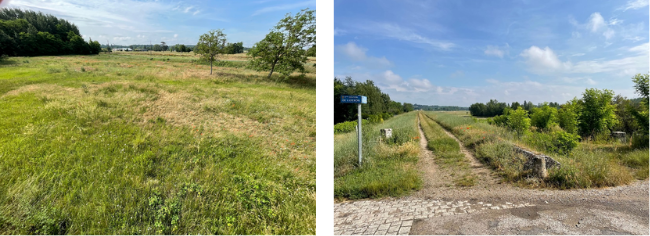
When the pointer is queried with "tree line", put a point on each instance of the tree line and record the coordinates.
(598, 112)
(28, 33)
(284, 50)
(495, 108)
(438, 108)
(379, 105)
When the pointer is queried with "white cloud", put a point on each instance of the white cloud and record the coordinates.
(614, 21)
(493, 51)
(545, 61)
(596, 22)
(542, 60)
(398, 32)
(578, 54)
(358, 54)
(353, 51)
(187, 9)
(284, 7)
(175, 35)
(643, 48)
(634, 4)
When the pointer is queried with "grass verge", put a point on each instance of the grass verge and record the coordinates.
(388, 168)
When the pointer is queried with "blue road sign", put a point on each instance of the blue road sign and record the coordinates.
(354, 99)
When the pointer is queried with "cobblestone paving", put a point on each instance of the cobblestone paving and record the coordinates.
(396, 216)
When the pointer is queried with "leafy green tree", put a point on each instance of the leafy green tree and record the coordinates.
(518, 120)
(567, 116)
(626, 121)
(641, 114)
(210, 45)
(311, 52)
(544, 117)
(408, 107)
(597, 113)
(95, 47)
(282, 50)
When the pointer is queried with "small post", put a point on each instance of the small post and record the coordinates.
(359, 134)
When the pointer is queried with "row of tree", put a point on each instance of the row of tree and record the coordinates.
(598, 111)
(439, 108)
(284, 49)
(495, 108)
(27, 33)
(379, 104)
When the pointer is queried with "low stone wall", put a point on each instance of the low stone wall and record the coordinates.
(538, 163)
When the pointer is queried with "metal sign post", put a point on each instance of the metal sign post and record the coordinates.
(358, 100)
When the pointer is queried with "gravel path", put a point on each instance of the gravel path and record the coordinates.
(492, 207)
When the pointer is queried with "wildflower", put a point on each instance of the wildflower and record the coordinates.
(293, 143)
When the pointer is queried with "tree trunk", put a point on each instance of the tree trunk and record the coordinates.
(210, 66)
(272, 68)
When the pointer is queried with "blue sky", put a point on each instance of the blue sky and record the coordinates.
(139, 22)
(460, 52)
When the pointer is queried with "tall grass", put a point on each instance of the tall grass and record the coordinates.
(388, 167)
(587, 166)
(126, 147)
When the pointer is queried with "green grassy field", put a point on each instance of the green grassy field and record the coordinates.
(589, 165)
(388, 167)
(129, 143)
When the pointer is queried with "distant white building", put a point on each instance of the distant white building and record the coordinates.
(122, 49)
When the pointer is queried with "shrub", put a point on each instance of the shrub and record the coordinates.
(565, 142)
(375, 119)
(347, 126)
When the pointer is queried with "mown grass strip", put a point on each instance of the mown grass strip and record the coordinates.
(447, 152)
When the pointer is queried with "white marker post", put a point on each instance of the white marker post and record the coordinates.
(358, 100)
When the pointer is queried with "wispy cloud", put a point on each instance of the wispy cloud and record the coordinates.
(358, 54)
(634, 4)
(494, 51)
(284, 7)
(545, 61)
(395, 31)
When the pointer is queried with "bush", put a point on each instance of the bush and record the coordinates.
(375, 119)
(347, 126)
(565, 142)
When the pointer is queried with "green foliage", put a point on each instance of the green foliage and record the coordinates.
(596, 112)
(518, 120)
(234, 48)
(492, 108)
(544, 117)
(210, 45)
(565, 142)
(379, 103)
(641, 114)
(567, 116)
(282, 49)
(348, 126)
(311, 52)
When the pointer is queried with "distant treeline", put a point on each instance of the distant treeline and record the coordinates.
(439, 108)
(495, 108)
(231, 48)
(27, 33)
(379, 104)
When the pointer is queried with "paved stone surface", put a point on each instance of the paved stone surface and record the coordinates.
(396, 216)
